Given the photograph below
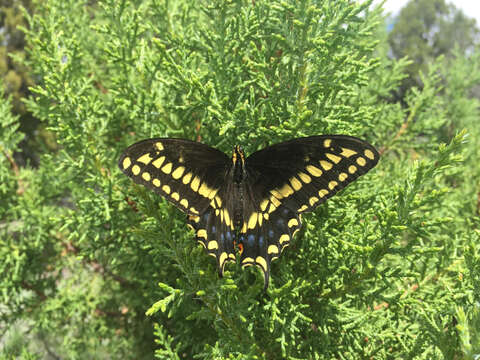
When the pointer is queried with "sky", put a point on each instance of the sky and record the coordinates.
(471, 8)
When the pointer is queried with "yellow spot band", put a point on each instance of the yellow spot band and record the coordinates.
(252, 222)
(369, 154)
(292, 222)
(167, 169)
(313, 200)
(202, 233)
(323, 193)
(157, 163)
(286, 191)
(296, 184)
(305, 178)
(145, 158)
(262, 262)
(326, 165)
(204, 190)
(186, 179)
(332, 184)
(272, 249)
(248, 261)
(303, 208)
(223, 257)
(314, 171)
(177, 174)
(212, 245)
(159, 146)
(195, 184)
(263, 205)
(136, 169)
(336, 159)
(347, 152)
(126, 163)
(361, 161)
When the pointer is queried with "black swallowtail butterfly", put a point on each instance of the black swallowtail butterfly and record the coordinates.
(251, 206)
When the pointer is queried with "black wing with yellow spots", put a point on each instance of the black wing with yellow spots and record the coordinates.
(250, 206)
(291, 178)
(187, 173)
(192, 176)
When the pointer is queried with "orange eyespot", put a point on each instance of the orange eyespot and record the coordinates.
(238, 246)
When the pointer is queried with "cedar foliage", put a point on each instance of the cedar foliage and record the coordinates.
(94, 266)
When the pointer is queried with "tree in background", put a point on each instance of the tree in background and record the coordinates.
(17, 80)
(14, 74)
(427, 29)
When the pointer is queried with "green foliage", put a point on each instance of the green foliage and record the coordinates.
(97, 267)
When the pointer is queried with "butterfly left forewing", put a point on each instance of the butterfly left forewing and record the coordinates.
(186, 173)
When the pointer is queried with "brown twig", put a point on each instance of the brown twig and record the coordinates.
(16, 171)
(29, 286)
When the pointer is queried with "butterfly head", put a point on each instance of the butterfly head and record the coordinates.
(238, 159)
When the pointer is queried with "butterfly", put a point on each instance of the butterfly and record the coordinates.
(250, 206)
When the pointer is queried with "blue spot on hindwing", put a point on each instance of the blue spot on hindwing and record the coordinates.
(260, 241)
(280, 222)
(222, 238)
(214, 229)
(229, 236)
(206, 216)
(251, 240)
(271, 234)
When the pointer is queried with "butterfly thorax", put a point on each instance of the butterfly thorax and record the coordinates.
(238, 160)
(238, 175)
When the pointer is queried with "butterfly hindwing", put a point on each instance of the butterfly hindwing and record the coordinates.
(188, 174)
(214, 235)
(265, 235)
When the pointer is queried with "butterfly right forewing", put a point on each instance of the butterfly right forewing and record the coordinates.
(302, 173)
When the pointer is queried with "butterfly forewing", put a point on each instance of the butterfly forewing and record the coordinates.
(187, 173)
(302, 173)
